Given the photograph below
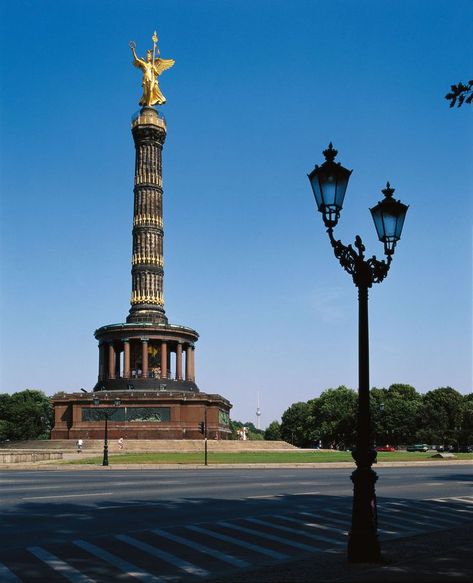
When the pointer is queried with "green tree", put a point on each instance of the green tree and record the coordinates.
(440, 416)
(333, 417)
(27, 414)
(294, 424)
(466, 432)
(394, 414)
(273, 431)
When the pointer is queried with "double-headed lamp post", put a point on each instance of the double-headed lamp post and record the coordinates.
(329, 183)
(106, 415)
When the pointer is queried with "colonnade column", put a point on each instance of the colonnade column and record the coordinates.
(144, 342)
(179, 361)
(190, 364)
(111, 361)
(101, 361)
(164, 360)
(117, 363)
(126, 358)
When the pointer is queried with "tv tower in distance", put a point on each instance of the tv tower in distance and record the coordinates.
(258, 412)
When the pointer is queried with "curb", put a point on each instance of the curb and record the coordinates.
(322, 465)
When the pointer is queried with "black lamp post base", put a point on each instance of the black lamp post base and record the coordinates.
(363, 547)
(363, 544)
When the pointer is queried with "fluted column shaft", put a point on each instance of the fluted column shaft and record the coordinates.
(111, 361)
(144, 347)
(179, 361)
(164, 360)
(147, 295)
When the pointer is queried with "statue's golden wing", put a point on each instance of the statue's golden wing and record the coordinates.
(161, 65)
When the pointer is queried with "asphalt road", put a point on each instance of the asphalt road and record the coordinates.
(269, 514)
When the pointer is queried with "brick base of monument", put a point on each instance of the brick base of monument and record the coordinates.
(139, 415)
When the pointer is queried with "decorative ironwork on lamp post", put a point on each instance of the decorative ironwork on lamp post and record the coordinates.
(329, 183)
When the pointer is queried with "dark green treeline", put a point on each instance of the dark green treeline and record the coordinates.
(400, 415)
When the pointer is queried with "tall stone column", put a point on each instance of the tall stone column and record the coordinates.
(144, 347)
(111, 361)
(179, 361)
(192, 363)
(102, 373)
(147, 299)
(164, 360)
(117, 363)
(126, 358)
(190, 366)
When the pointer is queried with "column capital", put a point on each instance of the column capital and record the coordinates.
(125, 340)
(144, 339)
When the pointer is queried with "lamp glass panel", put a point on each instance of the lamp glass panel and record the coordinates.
(400, 220)
(342, 184)
(378, 221)
(329, 188)
(314, 181)
(389, 224)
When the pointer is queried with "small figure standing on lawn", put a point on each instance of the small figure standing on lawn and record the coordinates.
(120, 444)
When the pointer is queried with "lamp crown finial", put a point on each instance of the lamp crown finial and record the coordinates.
(388, 191)
(330, 153)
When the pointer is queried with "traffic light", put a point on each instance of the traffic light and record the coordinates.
(202, 427)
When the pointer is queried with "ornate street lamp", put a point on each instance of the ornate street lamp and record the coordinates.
(106, 415)
(329, 183)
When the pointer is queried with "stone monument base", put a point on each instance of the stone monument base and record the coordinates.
(140, 414)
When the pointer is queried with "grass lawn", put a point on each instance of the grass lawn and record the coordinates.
(256, 457)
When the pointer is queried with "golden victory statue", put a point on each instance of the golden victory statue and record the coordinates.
(152, 68)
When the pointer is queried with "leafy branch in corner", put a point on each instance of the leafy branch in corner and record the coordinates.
(460, 94)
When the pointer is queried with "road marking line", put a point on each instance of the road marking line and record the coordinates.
(328, 539)
(238, 542)
(66, 570)
(129, 569)
(203, 549)
(264, 496)
(400, 517)
(426, 512)
(304, 493)
(163, 555)
(8, 576)
(345, 522)
(90, 495)
(261, 534)
(466, 499)
(286, 529)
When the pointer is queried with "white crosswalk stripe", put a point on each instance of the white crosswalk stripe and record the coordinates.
(236, 541)
(6, 576)
(288, 529)
(128, 568)
(273, 537)
(202, 548)
(228, 545)
(346, 524)
(57, 564)
(164, 556)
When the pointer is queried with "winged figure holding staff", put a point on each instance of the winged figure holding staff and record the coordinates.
(152, 67)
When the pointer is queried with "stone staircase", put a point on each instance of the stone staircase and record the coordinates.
(148, 445)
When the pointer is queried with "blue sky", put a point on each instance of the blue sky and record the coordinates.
(258, 90)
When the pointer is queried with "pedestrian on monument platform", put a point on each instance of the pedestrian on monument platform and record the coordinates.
(79, 444)
(120, 444)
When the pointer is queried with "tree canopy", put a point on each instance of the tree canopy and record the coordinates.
(399, 415)
(27, 414)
